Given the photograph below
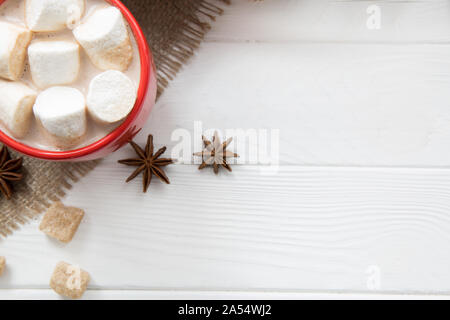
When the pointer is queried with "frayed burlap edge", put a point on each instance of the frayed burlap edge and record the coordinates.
(46, 182)
(187, 41)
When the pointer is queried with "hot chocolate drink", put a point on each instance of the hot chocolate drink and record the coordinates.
(69, 71)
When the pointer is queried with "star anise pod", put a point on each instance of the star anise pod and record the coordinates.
(148, 163)
(9, 172)
(215, 153)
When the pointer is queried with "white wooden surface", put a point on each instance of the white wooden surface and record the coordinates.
(47, 294)
(359, 205)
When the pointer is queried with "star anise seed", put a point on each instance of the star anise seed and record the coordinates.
(148, 163)
(215, 153)
(9, 172)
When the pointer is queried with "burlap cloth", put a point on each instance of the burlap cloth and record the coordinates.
(174, 29)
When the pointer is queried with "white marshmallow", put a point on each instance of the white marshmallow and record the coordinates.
(53, 15)
(16, 107)
(104, 36)
(111, 97)
(14, 41)
(54, 62)
(61, 113)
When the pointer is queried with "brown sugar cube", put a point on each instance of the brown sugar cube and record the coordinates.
(61, 222)
(69, 281)
(2, 265)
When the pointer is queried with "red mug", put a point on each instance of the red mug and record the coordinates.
(146, 98)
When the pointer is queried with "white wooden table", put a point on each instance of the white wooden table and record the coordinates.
(359, 205)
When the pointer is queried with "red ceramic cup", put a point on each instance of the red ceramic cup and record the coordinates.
(128, 129)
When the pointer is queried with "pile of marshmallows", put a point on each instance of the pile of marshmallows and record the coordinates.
(60, 111)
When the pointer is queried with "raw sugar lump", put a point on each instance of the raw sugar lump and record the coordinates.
(61, 222)
(69, 280)
(2, 265)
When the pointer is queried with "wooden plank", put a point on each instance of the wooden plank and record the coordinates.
(47, 294)
(305, 229)
(334, 21)
(333, 104)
